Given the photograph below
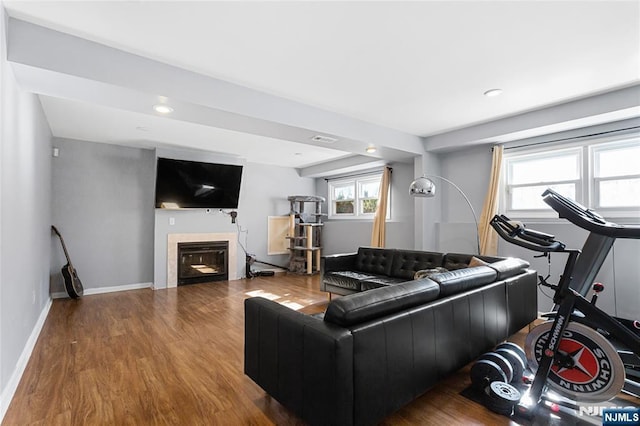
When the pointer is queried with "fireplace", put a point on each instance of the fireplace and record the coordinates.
(172, 252)
(202, 261)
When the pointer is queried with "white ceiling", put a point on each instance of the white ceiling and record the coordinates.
(407, 68)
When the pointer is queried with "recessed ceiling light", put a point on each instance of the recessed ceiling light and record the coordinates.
(492, 92)
(162, 109)
(371, 149)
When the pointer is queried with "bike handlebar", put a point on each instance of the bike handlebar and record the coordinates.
(530, 239)
(586, 218)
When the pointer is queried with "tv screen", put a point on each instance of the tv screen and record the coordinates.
(192, 184)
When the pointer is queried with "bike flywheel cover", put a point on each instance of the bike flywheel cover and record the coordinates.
(593, 372)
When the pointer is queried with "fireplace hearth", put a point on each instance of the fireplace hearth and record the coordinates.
(203, 261)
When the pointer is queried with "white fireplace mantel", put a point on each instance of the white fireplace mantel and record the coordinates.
(172, 252)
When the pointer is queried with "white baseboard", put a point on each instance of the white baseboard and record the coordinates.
(101, 290)
(12, 384)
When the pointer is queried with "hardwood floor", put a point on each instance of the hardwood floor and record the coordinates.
(176, 357)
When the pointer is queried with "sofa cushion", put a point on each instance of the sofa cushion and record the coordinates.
(380, 281)
(460, 280)
(360, 307)
(346, 279)
(407, 262)
(509, 267)
(373, 260)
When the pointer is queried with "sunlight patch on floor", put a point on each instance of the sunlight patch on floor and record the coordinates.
(262, 293)
(271, 296)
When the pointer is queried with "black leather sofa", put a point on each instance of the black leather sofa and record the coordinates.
(371, 267)
(377, 350)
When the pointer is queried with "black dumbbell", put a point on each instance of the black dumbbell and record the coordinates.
(502, 362)
(515, 361)
(517, 349)
(484, 372)
(502, 398)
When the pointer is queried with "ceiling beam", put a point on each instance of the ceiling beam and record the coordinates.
(58, 64)
(606, 107)
(341, 166)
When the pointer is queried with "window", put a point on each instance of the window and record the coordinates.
(355, 198)
(602, 175)
(616, 175)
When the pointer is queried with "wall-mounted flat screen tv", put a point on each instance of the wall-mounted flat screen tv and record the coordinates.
(182, 184)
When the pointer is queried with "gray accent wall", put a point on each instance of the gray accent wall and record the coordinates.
(345, 236)
(25, 214)
(103, 206)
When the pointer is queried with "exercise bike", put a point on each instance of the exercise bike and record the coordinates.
(573, 353)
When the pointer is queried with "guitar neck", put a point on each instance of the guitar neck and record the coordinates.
(64, 247)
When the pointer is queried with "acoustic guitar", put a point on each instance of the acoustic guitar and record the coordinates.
(71, 281)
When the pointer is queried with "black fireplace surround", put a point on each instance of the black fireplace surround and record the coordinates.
(205, 261)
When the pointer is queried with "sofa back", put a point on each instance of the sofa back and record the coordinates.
(360, 307)
(374, 260)
(453, 261)
(397, 263)
(459, 280)
(367, 305)
(398, 357)
(407, 262)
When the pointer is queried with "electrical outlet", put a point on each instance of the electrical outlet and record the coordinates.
(33, 297)
(172, 221)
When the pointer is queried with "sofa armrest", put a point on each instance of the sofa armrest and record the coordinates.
(338, 262)
(300, 360)
(509, 267)
(522, 300)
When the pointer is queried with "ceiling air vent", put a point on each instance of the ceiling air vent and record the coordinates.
(325, 139)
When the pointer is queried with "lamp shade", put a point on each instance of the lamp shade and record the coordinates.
(422, 187)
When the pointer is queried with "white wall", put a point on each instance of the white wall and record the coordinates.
(427, 211)
(469, 169)
(25, 221)
(345, 236)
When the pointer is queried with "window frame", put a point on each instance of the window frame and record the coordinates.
(586, 186)
(356, 182)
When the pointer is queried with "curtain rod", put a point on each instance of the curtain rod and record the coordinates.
(573, 138)
(356, 174)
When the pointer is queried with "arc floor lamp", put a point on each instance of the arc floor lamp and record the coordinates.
(425, 187)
